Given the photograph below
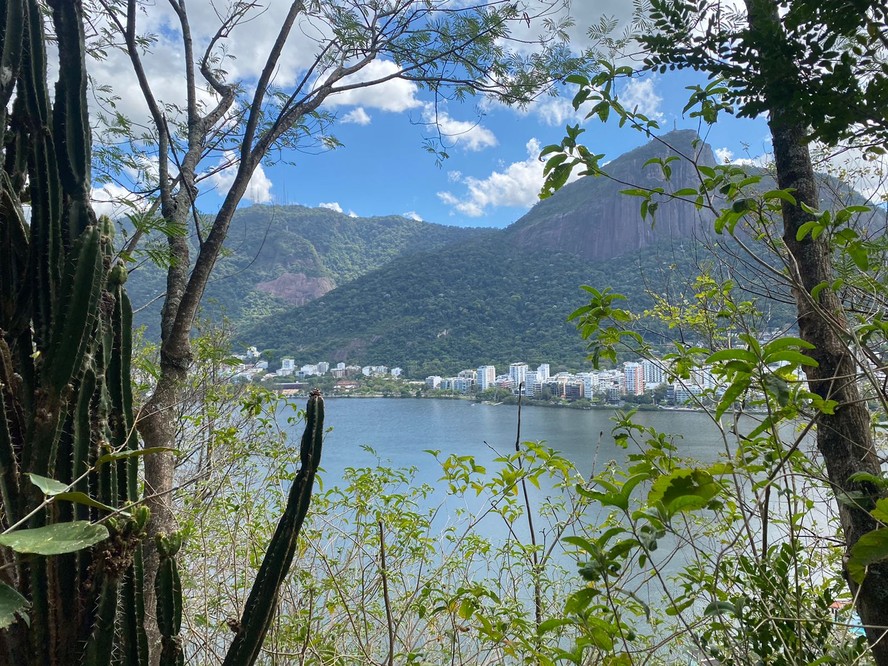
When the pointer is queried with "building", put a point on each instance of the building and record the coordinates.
(590, 381)
(543, 372)
(654, 372)
(633, 379)
(288, 366)
(486, 377)
(518, 374)
(532, 384)
(574, 390)
(433, 382)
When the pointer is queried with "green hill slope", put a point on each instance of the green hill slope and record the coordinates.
(279, 257)
(481, 302)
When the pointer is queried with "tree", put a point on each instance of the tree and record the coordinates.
(451, 51)
(73, 543)
(818, 70)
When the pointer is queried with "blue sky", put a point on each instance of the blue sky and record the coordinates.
(492, 175)
(382, 168)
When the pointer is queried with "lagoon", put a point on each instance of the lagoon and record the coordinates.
(401, 430)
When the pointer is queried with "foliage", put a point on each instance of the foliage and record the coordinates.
(390, 570)
(462, 306)
(770, 592)
(265, 242)
(72, 539)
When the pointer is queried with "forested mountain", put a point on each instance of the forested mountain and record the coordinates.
(488, 301)
(281, 256)
(319, 285)
(506, 297)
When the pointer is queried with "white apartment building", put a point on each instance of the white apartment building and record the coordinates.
(591, 381)
(486, 377)
(654, 372)
(288, 366)
(532, 383)
(543, 372)
(518, 374)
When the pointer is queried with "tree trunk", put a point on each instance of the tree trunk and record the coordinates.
(157, 421)
(844, 438)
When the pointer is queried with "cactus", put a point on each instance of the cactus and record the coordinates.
(66, 415)
(72, 536)
(262, 602)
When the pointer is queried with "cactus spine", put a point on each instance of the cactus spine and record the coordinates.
(65, 346)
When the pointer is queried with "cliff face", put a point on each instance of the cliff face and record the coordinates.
(296, 288)
(590, 217)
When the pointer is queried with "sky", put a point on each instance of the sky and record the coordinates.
(493, 173)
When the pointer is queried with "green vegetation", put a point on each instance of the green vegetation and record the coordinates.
(463, 306)
(769, 595)
(265, 242)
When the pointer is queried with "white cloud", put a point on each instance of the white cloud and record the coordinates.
(334, 206)
(470, 135)
(517, 185)
(412, 215)
(724, 155)
(395, 95)
(556, 111)
(356, 117)
(115, 201)
(258, 189)
(639, 95)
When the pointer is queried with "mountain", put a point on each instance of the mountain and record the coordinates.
(279, 257)
(432, 299)
(591, 219)
(486, 301)
(507, 296)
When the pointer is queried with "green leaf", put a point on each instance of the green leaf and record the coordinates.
(872, 547)
(732, 355)
(720, 608)
(12, 606)
(733, 392)
(55, 539)
(880, 513)
(49, 487)
(683, 490)
(551, 624)
(780, 194)
(790, 356)
(86, 500)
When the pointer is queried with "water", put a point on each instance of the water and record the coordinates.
(401, 430)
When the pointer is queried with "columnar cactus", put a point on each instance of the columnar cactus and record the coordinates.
(72, 532)
(70, 552)
(262, 602)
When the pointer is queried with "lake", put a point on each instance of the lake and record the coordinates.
(400, 430)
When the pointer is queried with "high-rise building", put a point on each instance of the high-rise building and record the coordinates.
(654, 372)
(543, 372)
(633, 376)
(590, 383)
(486, 377)
(518, 374)
(531, 383)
